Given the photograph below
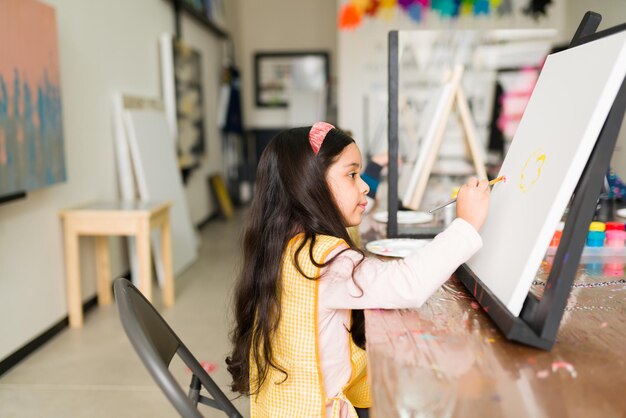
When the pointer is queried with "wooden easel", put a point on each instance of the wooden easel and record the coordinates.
(430, 146)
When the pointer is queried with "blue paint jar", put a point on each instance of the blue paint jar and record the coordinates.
(595, 239)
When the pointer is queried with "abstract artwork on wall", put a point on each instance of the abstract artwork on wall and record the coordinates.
(31, 128)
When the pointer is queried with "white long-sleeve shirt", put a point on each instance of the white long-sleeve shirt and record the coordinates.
(398, 284)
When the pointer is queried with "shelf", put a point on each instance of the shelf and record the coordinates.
(13, 196)
(199, 17)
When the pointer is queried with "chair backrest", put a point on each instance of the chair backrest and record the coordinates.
(156, 344)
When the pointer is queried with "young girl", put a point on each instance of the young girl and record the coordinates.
(298, 342)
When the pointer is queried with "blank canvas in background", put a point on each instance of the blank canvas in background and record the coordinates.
(158, 178)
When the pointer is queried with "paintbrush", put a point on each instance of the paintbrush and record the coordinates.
(491, 183)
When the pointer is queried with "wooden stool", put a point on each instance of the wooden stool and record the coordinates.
(104, 219)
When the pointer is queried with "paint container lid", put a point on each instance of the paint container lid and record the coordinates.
(615, 238)
(556, 239)
(595, 239)
(597, 226)
(611, 226)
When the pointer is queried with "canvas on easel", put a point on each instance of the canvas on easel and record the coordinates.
(576, 110)
(552, 144)
(441, 107)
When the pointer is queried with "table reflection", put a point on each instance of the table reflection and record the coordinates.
(448, 359)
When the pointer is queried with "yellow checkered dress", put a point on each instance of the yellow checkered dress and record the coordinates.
(296, 348)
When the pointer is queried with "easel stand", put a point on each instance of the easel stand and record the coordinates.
(538, 322)
(419, 179)
(423, 173)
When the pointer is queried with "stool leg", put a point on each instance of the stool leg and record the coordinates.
(103, 271)
(143, 255)
(166, 253)
(72, 266)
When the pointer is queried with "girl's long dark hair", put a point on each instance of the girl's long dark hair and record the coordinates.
(291, 197)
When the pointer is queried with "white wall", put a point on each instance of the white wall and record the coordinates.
(363, 57)
(104, 47)
(279, 25)
(613, 13)
(362, 63)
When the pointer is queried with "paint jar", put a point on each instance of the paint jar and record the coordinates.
(449, 213)
(595, 239)
(614, 226)
(615, 238)
(556, 239)
(597, 226)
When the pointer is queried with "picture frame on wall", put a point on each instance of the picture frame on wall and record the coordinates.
(277, 73)
(32, 144)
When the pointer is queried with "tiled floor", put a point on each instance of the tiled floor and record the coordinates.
(94, 371)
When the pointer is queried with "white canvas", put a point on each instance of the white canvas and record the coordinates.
(168, 84)
(125, 181)
(122, 155)
(158, 178)
(126, 177)
(551, 147)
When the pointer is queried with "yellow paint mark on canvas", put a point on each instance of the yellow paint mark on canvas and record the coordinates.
(531, 172)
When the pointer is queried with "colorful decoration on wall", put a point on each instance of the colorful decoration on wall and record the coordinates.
(31, 125)
(353, 11)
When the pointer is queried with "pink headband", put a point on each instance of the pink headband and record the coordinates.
(317, 134)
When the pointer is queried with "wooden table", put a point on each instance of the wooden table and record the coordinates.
(447, 359)
(104, 219)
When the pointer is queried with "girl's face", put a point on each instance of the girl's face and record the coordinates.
(348, 189)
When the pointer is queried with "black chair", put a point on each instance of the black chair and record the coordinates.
(156, 344)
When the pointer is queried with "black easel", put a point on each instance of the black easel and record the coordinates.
(392, 134)
(539, 319)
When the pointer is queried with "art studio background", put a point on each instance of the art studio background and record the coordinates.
(225, 80)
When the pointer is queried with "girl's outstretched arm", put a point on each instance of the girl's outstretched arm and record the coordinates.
(398, 284)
